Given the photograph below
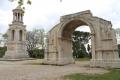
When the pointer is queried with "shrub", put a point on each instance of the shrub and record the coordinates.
(2, 51)
(36, 53)
(119, 49)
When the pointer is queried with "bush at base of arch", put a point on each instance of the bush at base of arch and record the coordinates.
(36, 53)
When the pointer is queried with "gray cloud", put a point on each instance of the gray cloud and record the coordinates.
(46, 13)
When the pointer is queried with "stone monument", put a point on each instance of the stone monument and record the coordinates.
(16, 44)
(103, 41)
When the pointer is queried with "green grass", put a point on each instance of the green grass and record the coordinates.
(112, 75)
(83, 59)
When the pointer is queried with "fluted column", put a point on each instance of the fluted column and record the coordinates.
(24, 35)
(17, 35)
(21, 17)
(17, 17)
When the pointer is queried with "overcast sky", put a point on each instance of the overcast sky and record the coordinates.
(46, 13)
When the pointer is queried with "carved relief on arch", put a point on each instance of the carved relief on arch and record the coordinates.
(106, 30)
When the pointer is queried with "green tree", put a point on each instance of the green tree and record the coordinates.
(5, 36)
(79, 39)
(35, 40)
(89, 51)
(2, 51)
(117, 31)
(3, 39)
(88, 48)
(119, 49)
(21, 2)
(37, 53)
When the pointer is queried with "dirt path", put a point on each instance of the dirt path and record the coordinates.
(31, 70)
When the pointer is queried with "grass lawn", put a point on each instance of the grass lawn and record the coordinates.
(83, 59)
(112, 75)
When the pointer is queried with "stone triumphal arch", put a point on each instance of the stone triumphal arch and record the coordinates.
(103, 40)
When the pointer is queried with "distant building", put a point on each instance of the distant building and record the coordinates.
(118, 38)
(117, 31)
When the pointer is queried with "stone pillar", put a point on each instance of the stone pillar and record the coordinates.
(13, 16)
(17, 35)
(93, 46)
(16, 16)
(23, 35)
(21, 17)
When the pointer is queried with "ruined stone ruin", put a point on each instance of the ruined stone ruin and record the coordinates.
(58, 48)
(103, 41)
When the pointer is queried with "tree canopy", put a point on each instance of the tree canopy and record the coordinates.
(117, 31)
(35, 40)
(79, 39)
(21, 2)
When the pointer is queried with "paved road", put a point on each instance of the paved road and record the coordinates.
(32, 70)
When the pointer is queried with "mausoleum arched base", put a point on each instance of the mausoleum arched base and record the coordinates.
(19, 55)
(16, 51)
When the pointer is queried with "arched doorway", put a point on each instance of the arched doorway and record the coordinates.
(66, 37)
(104, 48)
(81, 44)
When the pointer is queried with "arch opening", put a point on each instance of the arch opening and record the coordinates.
(70, 27)
(81, 43)
(20, 35)
(67, 37)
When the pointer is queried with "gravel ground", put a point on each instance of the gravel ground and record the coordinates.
(32, 70)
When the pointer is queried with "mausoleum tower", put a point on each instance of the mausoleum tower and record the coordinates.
(16, 44)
